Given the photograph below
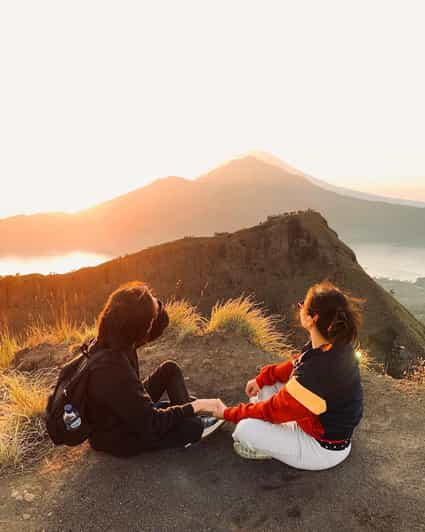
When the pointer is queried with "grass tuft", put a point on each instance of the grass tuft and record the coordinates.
(184, 319)
(26, 395)
(63, 331)
(11, 441)
(8, 348)
(22, 430)
(246, 318)
(417, 373)
(363, 358)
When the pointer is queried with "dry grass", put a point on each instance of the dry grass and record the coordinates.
(184, 319)
(8, 348)
(244, 317)
(22, 405)
(363, 358)
(11, 441)
(63, 331)
(417, 373)
(25, 395)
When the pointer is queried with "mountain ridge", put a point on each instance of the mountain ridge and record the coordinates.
(237, 194)
(275, 261)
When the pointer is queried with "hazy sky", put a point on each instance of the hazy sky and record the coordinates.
(97, 98)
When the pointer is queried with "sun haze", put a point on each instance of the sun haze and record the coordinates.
(99, 98)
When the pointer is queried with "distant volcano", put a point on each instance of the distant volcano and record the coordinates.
(237, 194)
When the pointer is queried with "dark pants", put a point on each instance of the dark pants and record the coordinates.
(168, 378)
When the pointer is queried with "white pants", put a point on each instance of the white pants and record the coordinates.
(286, 442)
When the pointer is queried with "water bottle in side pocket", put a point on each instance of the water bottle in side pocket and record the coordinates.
(71, 417)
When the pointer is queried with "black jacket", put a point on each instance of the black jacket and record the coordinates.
(123, 419)
(332, 376)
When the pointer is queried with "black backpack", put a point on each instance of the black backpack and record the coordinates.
(71, 388)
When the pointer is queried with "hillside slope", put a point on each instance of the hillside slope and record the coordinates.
(240, 193)
(410, 295)
(207, 487)
(275, 261)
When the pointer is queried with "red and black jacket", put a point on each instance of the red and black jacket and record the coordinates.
(322, 393)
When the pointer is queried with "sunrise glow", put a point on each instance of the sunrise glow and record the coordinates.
(171, 88)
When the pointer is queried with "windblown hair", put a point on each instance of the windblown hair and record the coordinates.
(127, 316)
(339, 313)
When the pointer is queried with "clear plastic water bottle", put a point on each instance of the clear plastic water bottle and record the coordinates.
(71, 417)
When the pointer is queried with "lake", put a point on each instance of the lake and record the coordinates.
(50, 264)
(395, 262)
(379, 260)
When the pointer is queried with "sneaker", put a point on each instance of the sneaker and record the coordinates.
(249, 454)
(210, 425)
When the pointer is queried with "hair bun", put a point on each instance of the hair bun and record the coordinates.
(340, 321)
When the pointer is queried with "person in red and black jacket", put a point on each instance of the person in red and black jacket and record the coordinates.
(303, 411)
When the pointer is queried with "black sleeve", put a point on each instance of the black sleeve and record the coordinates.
(124, 394)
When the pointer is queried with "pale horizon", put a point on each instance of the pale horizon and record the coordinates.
(389, 190)
(99, 99)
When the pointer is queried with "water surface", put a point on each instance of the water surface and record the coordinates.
(379, 260)
(395, 262)
(49, 264)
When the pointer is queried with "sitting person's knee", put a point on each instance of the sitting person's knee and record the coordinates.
(245, 429)
(170, 367)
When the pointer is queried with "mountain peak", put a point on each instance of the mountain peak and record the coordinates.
(269, 158)
(169, 181)
(252, 167)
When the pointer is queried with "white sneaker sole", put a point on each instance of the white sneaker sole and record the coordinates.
(209, 430)
(249, 454)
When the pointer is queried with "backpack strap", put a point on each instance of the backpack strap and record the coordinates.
(102, 353)
(94, 355)
(92, 358)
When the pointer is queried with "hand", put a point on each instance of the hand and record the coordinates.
(252, 388)
(220, 407)
(215, 407)
(204, 405)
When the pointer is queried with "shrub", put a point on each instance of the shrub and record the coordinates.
(246, 318)
(184, 319)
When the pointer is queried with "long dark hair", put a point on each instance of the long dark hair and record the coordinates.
(339, 313)
(127, 317)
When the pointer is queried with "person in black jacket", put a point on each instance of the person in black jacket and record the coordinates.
(125, 413)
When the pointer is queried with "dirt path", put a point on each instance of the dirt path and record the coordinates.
(381, 486)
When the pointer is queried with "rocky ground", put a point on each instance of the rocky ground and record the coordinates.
(380, 487)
